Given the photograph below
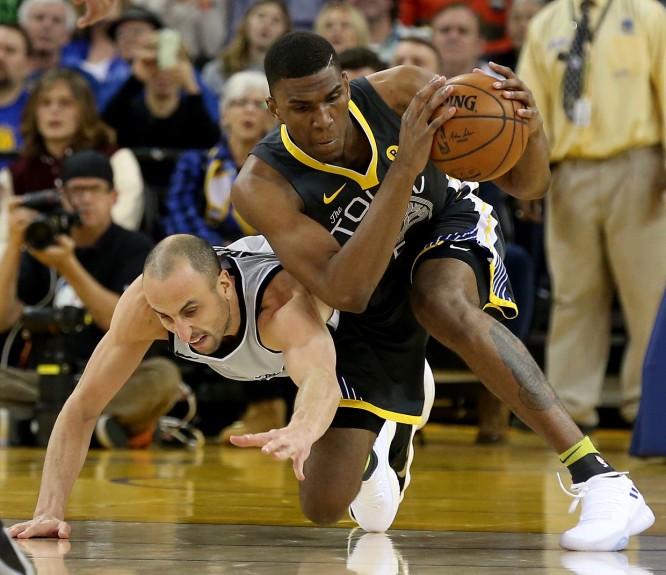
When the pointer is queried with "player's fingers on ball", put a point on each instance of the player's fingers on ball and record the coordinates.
(425, 93)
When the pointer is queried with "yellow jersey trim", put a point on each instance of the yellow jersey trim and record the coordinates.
(383, 413)
(366, 181)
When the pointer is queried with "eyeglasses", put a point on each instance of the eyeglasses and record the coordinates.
(242, 102)
(75, 192)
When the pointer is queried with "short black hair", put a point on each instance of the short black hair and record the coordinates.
(360, 57)
(298, 54)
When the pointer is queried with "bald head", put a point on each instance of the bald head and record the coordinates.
(180, 249)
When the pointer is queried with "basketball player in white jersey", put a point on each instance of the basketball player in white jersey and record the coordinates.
(248, 319)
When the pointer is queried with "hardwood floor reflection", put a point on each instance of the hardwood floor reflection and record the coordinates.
(469, 510)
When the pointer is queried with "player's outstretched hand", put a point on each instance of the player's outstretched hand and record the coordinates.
(41, 526)
(285, 443)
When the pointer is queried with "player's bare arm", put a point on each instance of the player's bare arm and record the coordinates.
(116, 357)
(530, 177)
(344, 277)
(291, 320)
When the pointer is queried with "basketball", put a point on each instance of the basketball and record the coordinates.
(485, 138)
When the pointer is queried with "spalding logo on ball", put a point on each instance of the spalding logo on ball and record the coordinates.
(485, 138)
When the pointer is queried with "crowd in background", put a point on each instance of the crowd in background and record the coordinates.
(177, 114)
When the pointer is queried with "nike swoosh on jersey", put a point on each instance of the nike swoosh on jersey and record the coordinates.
(329, 199)
(454, 247)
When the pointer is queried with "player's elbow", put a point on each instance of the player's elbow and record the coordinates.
(354, 303)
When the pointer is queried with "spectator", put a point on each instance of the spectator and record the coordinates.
(204, 26)
(97, 55)
(385, 29)
(605, 216)
(264, 22)
(50, 26)
(417, 51)
(59, 119)
(160, 107)
(359, 62)
(129, 33)
(518, 18)
(342, 25)
(492, 18)
(456, 33)
(198, 203)
(88, 271)
(14, 67)
(302, 13)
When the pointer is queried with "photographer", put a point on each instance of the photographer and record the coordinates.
(85, 265)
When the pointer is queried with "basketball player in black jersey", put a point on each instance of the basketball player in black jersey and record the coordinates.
(344, 192)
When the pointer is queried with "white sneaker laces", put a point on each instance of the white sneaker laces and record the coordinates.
(581, 489)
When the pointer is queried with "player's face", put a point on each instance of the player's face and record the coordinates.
(315, 110)
(188, 306)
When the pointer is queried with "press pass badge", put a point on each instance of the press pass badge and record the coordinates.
(582, 112)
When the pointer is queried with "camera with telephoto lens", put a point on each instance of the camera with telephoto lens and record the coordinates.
(52, 220)
(66, 320)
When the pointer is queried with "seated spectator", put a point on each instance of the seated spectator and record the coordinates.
(95, 54)
(384, 26)
(198, 199)
(458, 37)
(14, 67)
(417, 51)
(303, 13)
(520, 14)
(160, 108)
(85, 270)
(198, 202)
(264, 22)
(492, 18)
(359, 62)
(204, 26)
(59, 119)
(343, 25)
(50, 26)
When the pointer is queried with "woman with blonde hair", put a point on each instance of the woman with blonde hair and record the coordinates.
(343, 25)
(263, 23)
(60, 118)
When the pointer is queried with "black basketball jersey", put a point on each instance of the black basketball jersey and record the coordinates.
(383, 349)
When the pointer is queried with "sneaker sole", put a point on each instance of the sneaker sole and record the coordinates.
(639, 522)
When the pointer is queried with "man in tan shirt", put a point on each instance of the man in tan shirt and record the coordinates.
(606, 209)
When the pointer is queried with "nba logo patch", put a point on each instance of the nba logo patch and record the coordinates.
(627, 26)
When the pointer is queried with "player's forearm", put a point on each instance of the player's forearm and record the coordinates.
(65, 455)
(363, 260)
(316, 402)
(10, 307)
(530, 177)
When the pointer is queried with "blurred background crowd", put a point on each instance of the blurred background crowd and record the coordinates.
(172, 93)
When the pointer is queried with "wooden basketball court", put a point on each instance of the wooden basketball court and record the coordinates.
(469, 510)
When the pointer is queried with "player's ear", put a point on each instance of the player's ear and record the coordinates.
(224, 281)
(345, 80)
(273, 109)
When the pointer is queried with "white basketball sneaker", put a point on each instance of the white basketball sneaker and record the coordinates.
(376, 504)
(402, 447)
(612, 510)
(12, 561)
